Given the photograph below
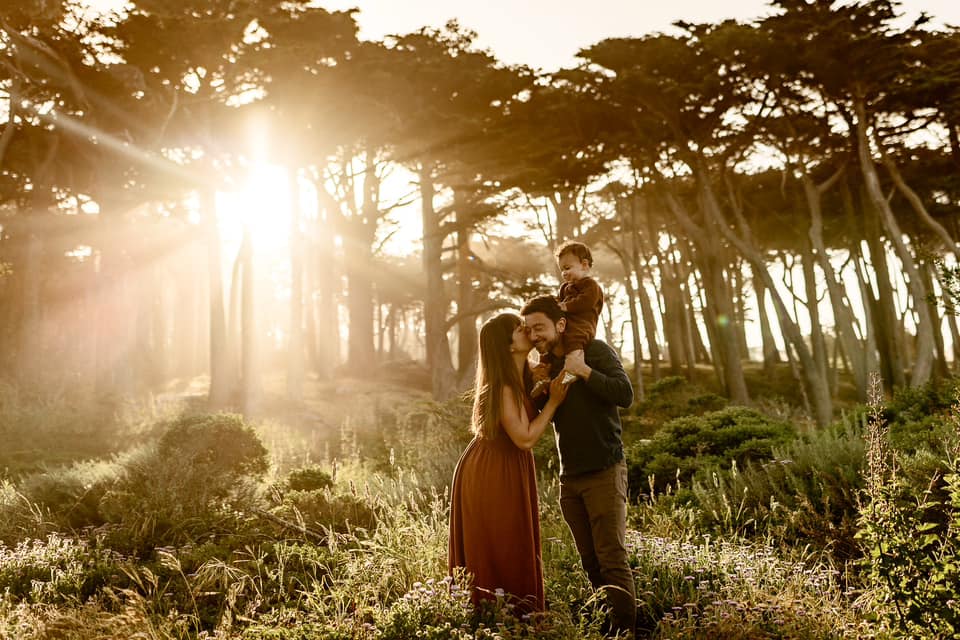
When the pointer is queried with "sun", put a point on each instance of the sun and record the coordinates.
(262, 204)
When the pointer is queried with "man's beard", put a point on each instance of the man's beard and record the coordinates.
(548, 346)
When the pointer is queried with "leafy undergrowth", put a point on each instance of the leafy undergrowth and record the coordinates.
(216, 528)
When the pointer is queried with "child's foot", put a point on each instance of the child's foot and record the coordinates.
(576, 355)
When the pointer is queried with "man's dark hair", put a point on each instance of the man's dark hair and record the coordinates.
(547, 305)
(579, 250)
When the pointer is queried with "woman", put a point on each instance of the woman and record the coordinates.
(494, 517)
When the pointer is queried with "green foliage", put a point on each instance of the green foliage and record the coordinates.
(19, 517)
(217, 445)
(310, 478)
(666, 399)
(428, 438)
(918, 417)
(70, 496)
(54, 570)
(808, 493)
(912, 544)
(192, 483)
(339, 512)
(713, 440)
(734, 590)
(429, 610)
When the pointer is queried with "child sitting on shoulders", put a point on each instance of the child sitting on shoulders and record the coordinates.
(581, 299)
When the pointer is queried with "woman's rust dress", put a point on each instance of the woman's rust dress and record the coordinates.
(495, 522)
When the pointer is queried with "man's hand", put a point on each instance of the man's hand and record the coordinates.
(575, 364)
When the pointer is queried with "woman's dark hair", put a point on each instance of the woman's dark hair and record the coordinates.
(495, 370)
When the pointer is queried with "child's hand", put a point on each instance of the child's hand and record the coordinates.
(575, 364)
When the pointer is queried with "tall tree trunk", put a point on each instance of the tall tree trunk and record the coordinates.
(638, 207)
(186, 290)
(310, 333)
(673, 318)
(814, 376)
(941, 369)
(649, 326)
(719, 311)
(923, 362)
(295, 351)
(739, 307)
(358, 242)
(249, 375)
(880, 304)
(327, 307)
(568, 215)
(817, 341)
(31, 333)
(467, 339)
(771, 355)
(220, 360)
(635, 335)
(435, 301)
(853, 347)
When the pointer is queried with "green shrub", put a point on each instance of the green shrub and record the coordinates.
(55, 570)
(911, 536)
(19, 517)
(195, 482)
(70, 496)
(428, 439)
(666, 399)
(310, 478)
(44, 426)
(339, 512)
(721, 589)
(714, 440)
(808, 493)
(919, 417)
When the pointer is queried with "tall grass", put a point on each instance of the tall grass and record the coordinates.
(355, 544)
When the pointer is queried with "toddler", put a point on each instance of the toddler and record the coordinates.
(581, 300)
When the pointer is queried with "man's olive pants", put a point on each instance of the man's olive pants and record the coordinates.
(595, 508)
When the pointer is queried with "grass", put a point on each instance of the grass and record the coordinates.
(365, 556)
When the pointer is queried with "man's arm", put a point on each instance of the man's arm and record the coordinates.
(603, 374)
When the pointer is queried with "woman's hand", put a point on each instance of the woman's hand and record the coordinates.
(558, 390)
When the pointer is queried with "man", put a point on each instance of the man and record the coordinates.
(593, 473)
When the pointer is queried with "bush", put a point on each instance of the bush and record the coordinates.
(54, 570)
(666, 399)
(70, 497)
(913, 545)
(918, 417)
(714, 440)
(196, 481)
(720, 589)
(43, 426)
(428, 439)
(336, 511)
(807, 494)
(311, 478)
